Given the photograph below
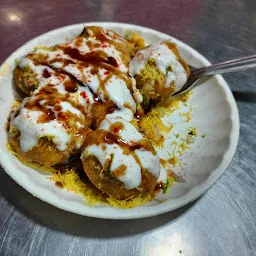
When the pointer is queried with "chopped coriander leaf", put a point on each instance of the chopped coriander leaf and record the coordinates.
(128, 35)
(204, 135)
(184, 146)
(166, 185)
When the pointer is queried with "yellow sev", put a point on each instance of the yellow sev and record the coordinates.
(72, 182)
(152, 124)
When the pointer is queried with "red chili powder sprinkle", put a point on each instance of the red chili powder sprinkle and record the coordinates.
(83, 94)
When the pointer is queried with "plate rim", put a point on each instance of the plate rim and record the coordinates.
(166, 206)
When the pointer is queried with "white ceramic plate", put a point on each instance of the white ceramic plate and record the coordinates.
(215, 114)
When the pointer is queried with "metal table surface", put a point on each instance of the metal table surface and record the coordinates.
(223, 221)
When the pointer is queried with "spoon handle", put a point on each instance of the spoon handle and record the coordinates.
(226, 67)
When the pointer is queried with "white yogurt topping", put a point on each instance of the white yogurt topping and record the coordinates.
(119, 93)
(149, 161)
(27, 122)
(31, 131)
(82, 96)
(132, 177)
(107, 48)
(129, 133)
(125, 114)
(116, 87)
(164, 58)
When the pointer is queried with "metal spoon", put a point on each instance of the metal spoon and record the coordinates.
(220, 68)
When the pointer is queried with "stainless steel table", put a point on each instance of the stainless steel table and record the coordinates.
(223, 221)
